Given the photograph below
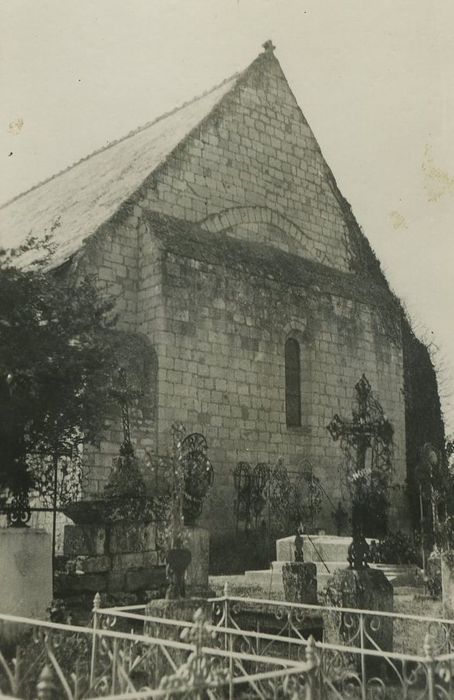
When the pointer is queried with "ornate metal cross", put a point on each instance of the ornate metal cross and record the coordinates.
(369, 428)
(124, 395)
(359, 431)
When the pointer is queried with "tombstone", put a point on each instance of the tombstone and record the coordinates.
(300, 577)
(198, 543)
(363, 589)
(25, 576)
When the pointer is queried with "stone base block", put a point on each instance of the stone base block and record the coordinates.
(198, 542)
(25, 572)
(134, 560)
(145, 579)
(68, 584)
(300, 582)
(325, 547)
(94, 565)
(365, 589)
(126, 537)
(84, 540)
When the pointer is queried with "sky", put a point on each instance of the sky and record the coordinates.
(374, 79)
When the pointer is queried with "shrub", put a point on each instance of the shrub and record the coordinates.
(397, 548)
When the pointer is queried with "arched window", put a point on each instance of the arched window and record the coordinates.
(292, 383)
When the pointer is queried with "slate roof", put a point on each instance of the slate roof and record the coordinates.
(74, 203)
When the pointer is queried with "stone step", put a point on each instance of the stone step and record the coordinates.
(397, 574)
(315, 548)
(325, 566)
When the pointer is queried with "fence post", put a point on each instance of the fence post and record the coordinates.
(226, 609)
(313, 684)
(430, 664)
(45, 687)
(96, 606)
(363, 658)
(228, 639)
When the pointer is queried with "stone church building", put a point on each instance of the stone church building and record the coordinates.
(251, 300)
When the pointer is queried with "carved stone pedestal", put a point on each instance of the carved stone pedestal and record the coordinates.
(198, 543)
(25, 577)
(363, 589)
(300, 582)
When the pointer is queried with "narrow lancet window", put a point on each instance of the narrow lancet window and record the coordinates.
(292, 383)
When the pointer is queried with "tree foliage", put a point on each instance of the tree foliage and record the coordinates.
(57, 356)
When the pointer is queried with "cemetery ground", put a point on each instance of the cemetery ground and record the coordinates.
(139, 617)
(239, 640)
(407, 637)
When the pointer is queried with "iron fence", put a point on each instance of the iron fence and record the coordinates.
(229, 653)
(355, 657)
(51, 661)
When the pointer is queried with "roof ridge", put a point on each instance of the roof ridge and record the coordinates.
(131, 133)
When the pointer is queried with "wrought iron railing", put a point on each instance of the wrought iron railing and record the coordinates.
(220, 656)
(356, 656)
(47, 661)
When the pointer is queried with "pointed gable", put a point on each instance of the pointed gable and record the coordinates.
(241, 159)
(253, 169)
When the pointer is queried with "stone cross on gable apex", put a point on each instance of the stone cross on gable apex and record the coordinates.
(269, 46)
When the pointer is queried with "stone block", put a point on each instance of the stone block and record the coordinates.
(95, 565)
(83, 583)
(134, 560)
(85, 540)
(300, 582)
(325, 547)
(116, 581)
(25, 573)
(364, 589)
(145, 578)
(129, 537)
(198, 542)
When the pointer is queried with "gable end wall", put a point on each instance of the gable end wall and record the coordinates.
(255, 150)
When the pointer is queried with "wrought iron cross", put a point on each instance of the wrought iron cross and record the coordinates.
(124, 395)
(368, 426)
(369, 423)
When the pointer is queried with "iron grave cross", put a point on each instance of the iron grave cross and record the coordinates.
(124, 395)
(359, 431)
(368, 429)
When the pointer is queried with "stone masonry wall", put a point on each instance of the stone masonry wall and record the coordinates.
(252, 171)
(255, 151)
(112, 256)
(222, 373)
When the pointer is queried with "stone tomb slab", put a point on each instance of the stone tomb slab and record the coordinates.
(315, 548)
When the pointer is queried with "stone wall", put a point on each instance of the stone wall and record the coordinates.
(112, 257)
(222, 372)
(255, 151)
(251, 173)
